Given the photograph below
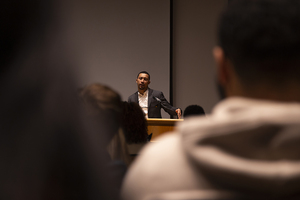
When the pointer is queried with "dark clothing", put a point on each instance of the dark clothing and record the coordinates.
(155, 106)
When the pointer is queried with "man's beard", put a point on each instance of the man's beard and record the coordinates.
(142, 87)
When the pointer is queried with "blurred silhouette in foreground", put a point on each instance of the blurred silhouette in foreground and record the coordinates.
(193, 110)
(49, 150)
(248, 148)
(135, 128)
(104, 105)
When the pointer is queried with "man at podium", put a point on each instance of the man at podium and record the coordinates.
(151, 101)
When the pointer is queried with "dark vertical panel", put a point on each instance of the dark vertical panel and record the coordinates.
(171, 52)
(194, 38)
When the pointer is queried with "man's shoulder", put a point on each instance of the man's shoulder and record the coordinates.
(132, 97)
(157, 149)
(169, 165)
(151, 91)
(134, 94)
(172, 138)
(155, 160)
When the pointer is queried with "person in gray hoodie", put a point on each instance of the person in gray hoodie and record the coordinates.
(248, 148)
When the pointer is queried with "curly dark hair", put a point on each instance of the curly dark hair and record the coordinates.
(192, 110)
(134, 123)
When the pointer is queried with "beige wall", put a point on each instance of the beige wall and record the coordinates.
(194, 38)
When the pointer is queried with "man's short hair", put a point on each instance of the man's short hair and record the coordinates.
(262, 39)
(143, 72)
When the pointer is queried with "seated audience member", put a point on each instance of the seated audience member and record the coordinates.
(118, 149)
(105, 105)
(249, 148)
(103, 102)
(193, 110)
(48, 149)
(134, 126)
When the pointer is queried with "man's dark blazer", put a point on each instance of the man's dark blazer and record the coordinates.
(155, 106)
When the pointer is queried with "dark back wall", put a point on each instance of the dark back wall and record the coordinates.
(114, 40)
(111, 41)
(194, 32)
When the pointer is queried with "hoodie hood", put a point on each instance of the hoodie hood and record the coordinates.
(247, 145)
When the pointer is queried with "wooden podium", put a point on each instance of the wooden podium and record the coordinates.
(160, 126)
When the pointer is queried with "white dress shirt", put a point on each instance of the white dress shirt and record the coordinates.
(143, 102)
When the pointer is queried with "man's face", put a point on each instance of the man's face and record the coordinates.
(143, 81)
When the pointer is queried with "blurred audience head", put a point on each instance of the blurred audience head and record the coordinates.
(104, 102)
(259, 48)
(193, 110)
(134, 123)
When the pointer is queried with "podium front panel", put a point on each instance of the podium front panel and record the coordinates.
(161, 126)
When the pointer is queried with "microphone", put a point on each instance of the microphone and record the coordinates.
(157, 99)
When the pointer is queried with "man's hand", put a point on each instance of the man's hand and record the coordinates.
(178, 111)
